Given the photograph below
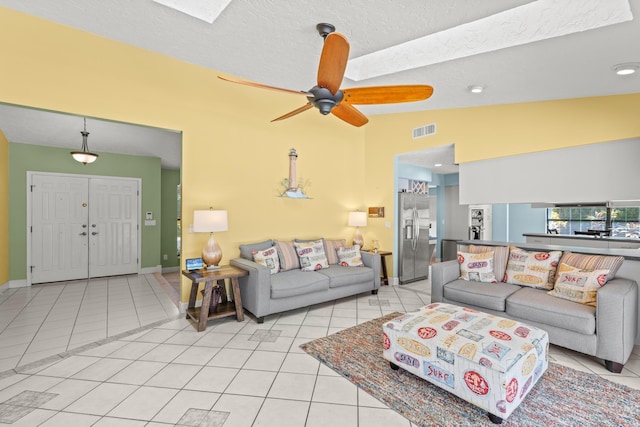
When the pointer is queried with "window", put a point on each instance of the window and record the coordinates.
(622, 222)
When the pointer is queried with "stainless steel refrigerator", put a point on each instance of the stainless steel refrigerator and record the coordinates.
(415, 253)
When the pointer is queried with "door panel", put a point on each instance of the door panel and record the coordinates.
(59, 217)
(113, 227)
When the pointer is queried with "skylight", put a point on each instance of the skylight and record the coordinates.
(206, 10)
(535, 21)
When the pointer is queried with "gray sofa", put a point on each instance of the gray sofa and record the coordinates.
(607, 331)
(264, 293)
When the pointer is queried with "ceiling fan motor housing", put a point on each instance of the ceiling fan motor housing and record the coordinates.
(324, 100)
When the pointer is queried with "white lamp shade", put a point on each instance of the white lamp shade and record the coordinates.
(357, 219)
(209, 221)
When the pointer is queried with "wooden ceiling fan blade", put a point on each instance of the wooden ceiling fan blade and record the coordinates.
(386, 94)
(294, 112)
(350, 114)
(333, 62)
(259, 85)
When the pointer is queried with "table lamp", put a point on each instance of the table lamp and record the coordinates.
(357, 220)
(210, 221)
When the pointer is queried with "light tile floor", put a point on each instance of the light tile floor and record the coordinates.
(232, 374)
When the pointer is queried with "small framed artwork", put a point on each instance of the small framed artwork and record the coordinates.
(376, 212)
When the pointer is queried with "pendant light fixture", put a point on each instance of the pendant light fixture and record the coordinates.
(84, 156)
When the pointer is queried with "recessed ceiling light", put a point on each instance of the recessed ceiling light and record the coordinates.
(626, 69)
(437, 165)
(476, 89)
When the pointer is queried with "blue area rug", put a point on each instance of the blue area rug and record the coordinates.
(562, 397)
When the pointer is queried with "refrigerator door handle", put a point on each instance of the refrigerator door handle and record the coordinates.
(416, 226)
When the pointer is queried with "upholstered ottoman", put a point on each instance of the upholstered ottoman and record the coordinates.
(489, 361)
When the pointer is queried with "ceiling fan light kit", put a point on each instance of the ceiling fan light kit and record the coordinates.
(327, 97)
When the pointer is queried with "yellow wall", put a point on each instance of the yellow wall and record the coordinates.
(488, 132)
(234, 158)
(4, 209)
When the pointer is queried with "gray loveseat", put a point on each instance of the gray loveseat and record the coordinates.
(607, 331)
(264, 293)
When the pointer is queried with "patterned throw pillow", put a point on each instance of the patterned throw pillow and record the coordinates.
(593, 262)
(476, 267)
(350, 257)
(268, 258)
(500, 258)
(311, 255)
(288, 256)
(534, 269)
(332, 246)
(579, 285)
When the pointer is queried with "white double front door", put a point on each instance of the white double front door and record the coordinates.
(82, 227)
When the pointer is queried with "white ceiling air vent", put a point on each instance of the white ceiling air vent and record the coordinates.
(425, 130)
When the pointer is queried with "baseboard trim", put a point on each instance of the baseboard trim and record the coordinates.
(183, 306)
(151, 270)
(18, 283)
(170, 269)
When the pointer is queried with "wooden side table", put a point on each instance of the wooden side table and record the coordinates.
(383, 260)
(384, 278)
(224, 308)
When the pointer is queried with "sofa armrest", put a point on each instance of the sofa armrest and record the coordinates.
(617, 319)
(372, 260)
(255, 288)
(441, 274)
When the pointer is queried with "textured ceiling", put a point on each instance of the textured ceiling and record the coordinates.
(275, 42)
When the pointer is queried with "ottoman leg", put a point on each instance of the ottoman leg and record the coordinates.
(394, 366)
(494, 418)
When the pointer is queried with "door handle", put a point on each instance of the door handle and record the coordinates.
(84, 233)
(93, 233)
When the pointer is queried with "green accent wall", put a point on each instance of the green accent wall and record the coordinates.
(4, 209)
(34, 158)
(169, 212)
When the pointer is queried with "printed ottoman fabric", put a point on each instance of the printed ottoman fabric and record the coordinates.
(487, 360)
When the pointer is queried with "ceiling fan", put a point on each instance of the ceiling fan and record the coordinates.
(327, 97)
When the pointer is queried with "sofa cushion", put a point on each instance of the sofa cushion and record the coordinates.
(492, 296)
(268, 258)
(288, 256)
(296, 282)
(331, 246)
(535, 305)
(532, 268)
(578, 285)
(311, 255)
(350, 257)
(477, 267)
(593, 262)
(500, 258)
(340, 275)
(246, 251)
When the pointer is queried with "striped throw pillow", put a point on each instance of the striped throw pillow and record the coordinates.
(593, 262)
(288, 256)
(332, 247)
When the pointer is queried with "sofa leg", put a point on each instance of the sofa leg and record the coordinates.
(260, 320)
(614, 367)
(374, 292)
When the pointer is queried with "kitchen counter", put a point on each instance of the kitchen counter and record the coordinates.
(583, 241)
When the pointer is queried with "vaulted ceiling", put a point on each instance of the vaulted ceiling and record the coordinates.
(517, 50)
